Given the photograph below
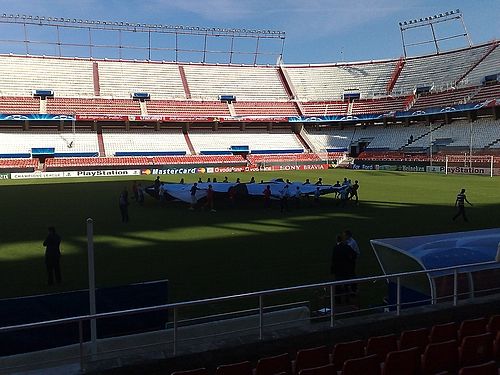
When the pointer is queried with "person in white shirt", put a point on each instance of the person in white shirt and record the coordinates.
(351, 241)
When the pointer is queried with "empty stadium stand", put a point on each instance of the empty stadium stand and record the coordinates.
(247, 83)
(92, 106)
(142, 143)
(84, 143)
(258, 142)
(20, 75)
(328, 82)
(119, 79)
(19, 105)
(438, 71)
(427, 350)
(187, 108)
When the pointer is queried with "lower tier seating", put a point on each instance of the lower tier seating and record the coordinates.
(469, 347)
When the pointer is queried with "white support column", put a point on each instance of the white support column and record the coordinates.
(91, 266)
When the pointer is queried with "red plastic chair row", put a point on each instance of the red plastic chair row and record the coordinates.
(416, 352)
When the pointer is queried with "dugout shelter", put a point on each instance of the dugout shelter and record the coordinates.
(434, 252)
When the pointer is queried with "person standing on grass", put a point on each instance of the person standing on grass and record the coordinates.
(140, 194)
(354, 191)
(460, 203)
(135, 191)
(210, 199)
(193, 191)
(156, 185)
(351, 242)
(267, 196)
(53, 256)
(123, 204)
(343, 260)
(284, 194)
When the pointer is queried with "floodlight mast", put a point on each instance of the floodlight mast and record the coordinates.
(120, 27)
(450, 16)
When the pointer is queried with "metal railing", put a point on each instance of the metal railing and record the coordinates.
(260, 296)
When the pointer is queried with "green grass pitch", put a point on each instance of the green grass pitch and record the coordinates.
(207, 254)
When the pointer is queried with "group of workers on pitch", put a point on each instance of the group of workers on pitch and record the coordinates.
(346, 191)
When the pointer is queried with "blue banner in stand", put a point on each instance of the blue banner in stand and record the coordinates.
(336, 118)
(438, 110)
(35, 117)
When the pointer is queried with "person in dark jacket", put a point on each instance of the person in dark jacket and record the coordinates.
(52, 256)
(123, 204)
(342, 268)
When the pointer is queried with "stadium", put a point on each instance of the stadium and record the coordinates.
(246, 287)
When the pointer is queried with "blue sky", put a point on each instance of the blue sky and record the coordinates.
(316, 30)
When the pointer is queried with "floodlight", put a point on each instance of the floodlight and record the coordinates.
(457, 11)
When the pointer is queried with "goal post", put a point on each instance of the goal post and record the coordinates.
(466, 164)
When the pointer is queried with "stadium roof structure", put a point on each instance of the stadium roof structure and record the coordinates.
(444, 250)
(156, 41)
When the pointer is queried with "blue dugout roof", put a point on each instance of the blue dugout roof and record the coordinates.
(447, 249)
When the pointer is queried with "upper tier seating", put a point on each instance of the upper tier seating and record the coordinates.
(382, 105)
(160, 80)
(444, 98)
(265, 109)
(12, 142)
(325, 108)
(247, 83)
(316, 83)
(490, 65)
(487, 92)
(439, 71)
(93, 106)
(187, 108)
(258, 141)
(13, 105)
(137, 142)
(19, 76)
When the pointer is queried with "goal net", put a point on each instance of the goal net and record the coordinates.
(486, 165)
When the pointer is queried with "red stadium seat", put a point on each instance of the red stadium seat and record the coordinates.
(496, 347)
(313, 357)
(322, 370)
(273, 365)
(199, 371)
(381, 345)
(441, 356)
(416, 338)
(488, 368)
(402, 362)
(241, 368)
(476, 349)
(443, 332)
(471, 327)
(368, 365)
(493, 325)
(347, 350)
